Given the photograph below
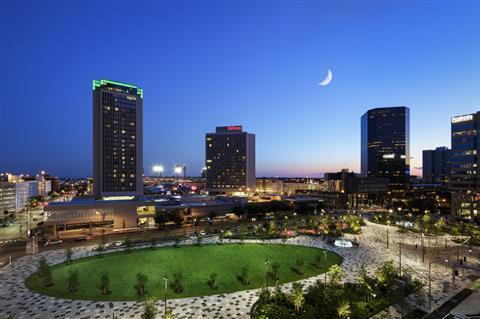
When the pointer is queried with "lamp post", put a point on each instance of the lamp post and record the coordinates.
(400, 256)
(429, 285)
(325, 259)
(266, 272)
(165, 281)
(446, 265)
(423, 248)
(388, 226)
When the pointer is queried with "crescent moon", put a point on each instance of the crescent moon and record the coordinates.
(327, 79)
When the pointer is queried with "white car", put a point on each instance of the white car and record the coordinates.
(53, 242)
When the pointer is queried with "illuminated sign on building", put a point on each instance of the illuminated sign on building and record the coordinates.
(234, 128)
(462, 118)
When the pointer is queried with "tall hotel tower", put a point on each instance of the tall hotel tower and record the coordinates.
(465, 166)
(230, 160)
(385, 145)
(117, 140)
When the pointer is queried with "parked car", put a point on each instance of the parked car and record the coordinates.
(53, 242)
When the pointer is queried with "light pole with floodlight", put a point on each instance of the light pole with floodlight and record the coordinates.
(158, 169)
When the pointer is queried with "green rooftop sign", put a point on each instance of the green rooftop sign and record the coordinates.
(99, 83)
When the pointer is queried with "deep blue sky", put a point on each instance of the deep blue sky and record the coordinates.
(204, 64)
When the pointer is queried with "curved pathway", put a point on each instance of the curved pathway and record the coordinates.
(16, 299)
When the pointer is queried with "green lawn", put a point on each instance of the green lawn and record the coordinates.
(196, 263)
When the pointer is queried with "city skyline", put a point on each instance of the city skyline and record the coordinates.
(265, 81)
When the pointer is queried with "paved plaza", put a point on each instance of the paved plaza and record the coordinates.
(16, 299)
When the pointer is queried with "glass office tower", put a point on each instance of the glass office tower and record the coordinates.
(436, 165)
(230, 160)
(385, 145)
(464, 175)
(117, 139)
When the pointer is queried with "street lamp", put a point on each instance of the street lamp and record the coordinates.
(165, 281)
(446, 265)
(266, 272)
(429, 285)
(388, 226)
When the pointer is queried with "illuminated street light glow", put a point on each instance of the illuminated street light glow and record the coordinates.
(178, 170)
(157, 168)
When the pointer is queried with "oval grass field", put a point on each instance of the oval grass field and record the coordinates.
(195, 263)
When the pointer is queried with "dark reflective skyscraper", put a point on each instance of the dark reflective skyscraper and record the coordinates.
(436, 165)
(117, 139)
(465, 173)
(385, 145)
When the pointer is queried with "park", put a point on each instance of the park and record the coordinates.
(191, 270)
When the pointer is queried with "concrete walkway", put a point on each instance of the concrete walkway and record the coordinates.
(16, 299)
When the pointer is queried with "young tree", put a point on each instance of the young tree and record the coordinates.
(68, 255)
(318, 260)
(274, 271)
(169, 314)
(149, 309)
(176, 244)
(199, 240)
(177, 282)
(152, 242)
(45, 272)
(297, 296)
(386, 274)
(364, 281)
(344, 311)
(212, 282)
(73, 281)
(105, 283)
(299, 266)
(335, 275)
(141, 283)
(244, 275)
(128, 245)
(100, 249)
(221, 236)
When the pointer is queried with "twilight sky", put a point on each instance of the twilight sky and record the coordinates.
(204, 64)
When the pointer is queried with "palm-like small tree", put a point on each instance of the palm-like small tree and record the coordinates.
(299, 266)
(68, 255)
(344, 311)
(212, 282)
(73, 281)
(105, 283)
(149, 309)
(244, 275)
(199, 240)
(335, 274)
(45, 272)
(274, 272)
(298, 298)
(128, 245)
(141, 283)
(100, 249)
(177, 282)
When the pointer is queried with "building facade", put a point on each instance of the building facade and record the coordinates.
(385, 145)
(230, 160)
(117, 139)
(465, 173)
(436, 165)
(7, 198)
